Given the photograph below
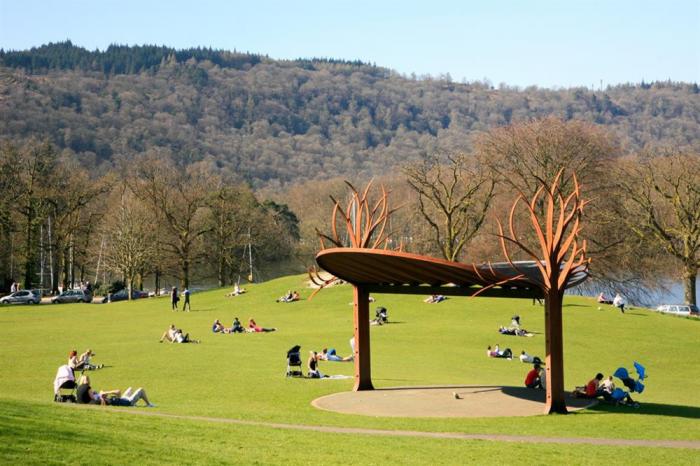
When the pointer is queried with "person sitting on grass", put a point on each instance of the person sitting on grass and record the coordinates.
(593, 389)
(86, 395)
(330, 355)
(218, 327)
(254, 328)
(312, 365)
(532, 380)
(85, 360)
(74, 362)
(381, 316)
(602, 299)
(236, 327)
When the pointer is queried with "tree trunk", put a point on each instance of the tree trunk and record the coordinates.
(690, 276)
(66, 271)
(185, 278)
(363, 369)
(554, 352)
(157, 281)
(221, 271)
(29, 247)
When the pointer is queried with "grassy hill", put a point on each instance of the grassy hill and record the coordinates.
(242, 377)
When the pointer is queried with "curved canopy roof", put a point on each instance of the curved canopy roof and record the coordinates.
(400, 272)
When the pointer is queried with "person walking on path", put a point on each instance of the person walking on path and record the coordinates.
(174, 298)
(186, 304)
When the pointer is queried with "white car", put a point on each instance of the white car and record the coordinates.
(22, 297)
(679, 309)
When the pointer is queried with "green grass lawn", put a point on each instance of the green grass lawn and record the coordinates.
(242, 377)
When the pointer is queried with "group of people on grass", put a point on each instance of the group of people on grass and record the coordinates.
(175, 298)
(326, 354)
(66, 379)
(236, 327)
(129, 397)
(514, 328)
(601, 387)
(289, 297)
(176, 335)
(82, 362)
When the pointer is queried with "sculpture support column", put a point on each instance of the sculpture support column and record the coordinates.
(554, 348)
(363, 371)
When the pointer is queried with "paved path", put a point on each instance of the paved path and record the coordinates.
(692, 444)
(443, 401)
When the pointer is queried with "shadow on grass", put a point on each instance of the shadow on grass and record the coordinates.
(654, 409)
(576, 305)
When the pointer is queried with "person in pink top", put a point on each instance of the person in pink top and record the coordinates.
(254, 327)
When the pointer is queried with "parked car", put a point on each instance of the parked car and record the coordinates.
(72, 296)
(680, 309)
(22, 297)
(122, 295)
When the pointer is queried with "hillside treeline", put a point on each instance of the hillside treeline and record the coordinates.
(275, 123)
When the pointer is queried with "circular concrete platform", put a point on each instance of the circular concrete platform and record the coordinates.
(443, 401)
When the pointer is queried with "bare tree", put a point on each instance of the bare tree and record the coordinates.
(230, 217)
(524, 153)
(131, 241)
(663, 206)
(177, 196)
(453, 198)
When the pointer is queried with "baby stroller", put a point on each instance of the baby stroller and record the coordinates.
(64, 385)
(294, 360)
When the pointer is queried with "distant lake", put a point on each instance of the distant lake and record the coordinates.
(670, 293)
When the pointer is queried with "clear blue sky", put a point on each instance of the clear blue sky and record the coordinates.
(519, 42)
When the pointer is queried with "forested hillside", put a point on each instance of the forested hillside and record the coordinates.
(276, 122)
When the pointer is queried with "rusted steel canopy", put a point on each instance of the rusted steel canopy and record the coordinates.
(399, 272)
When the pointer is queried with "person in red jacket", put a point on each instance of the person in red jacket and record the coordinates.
(532, 380)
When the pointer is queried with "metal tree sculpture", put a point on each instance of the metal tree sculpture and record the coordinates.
(364, 225)
(560, 257)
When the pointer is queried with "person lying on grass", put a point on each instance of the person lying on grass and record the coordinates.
(290, 297)
(237, 290)
(254, 327)
(497, 353)
(434, 299)
(526, 358)
(330, 355)
(175, 335)
(518, 332)
(86, 395)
